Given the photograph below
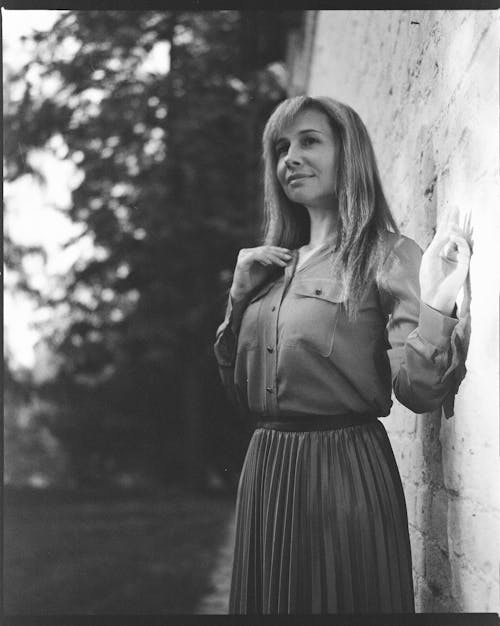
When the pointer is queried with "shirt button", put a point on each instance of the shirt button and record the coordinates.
(273, 308)
(269, 389)
(318, 292)
(270, 348)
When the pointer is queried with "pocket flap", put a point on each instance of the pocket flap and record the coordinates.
(322, 288)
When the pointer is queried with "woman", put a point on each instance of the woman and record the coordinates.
(323, 319)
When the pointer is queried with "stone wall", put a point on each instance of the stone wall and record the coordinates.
(426, 85)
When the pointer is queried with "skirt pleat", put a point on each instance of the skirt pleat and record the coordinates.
(321, 525)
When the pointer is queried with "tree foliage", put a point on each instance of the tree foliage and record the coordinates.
(169, 192)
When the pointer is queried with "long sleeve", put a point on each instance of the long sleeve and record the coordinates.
(226, 343)
(425, 346)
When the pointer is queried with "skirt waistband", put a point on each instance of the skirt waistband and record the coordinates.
(298, 423)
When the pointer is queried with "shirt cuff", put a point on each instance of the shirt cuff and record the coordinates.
(227, 333)
(435, 327)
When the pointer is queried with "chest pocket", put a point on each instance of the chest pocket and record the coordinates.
(312, 314)
(251, 322)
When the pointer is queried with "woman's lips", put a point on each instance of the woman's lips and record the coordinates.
(297, 177)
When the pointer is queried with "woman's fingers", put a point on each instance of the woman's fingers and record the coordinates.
(278, 249)
(444, 235)
(281, 253)
(462, 246)
(269, 257)
(456, 249)
(467, 226)
(251, 266)
(439, 239)
(456, 220)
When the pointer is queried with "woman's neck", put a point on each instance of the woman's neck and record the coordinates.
(323, 228)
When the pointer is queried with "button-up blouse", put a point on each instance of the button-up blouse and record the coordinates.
(289, 347)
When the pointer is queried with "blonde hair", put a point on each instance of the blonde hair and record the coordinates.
(364, 216)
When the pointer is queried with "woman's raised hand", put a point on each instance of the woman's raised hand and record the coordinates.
(444, 267)
(254, 265)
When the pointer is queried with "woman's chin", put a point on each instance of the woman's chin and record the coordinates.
(298, 197)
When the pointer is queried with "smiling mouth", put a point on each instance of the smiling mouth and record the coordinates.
(292, 179)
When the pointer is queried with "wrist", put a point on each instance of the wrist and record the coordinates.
(237, 294)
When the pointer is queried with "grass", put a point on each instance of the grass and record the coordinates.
(108, 553)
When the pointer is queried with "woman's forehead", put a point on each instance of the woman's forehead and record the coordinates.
(302, 121)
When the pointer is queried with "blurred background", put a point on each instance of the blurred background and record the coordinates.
(131, 180)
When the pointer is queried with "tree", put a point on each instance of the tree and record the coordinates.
(168, 195)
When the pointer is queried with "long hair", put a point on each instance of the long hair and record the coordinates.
(364, 216)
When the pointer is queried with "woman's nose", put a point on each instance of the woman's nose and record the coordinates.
(292, 158)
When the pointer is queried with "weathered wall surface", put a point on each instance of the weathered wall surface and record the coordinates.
(426, 85)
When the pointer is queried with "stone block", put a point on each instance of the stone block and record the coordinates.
(411, 489)
(476, 593)
(417, 541)
(423, 507)
(437, 571)
(473, 533)
(438, 531)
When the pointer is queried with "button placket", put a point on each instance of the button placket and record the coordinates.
(270, 353)
(271, 389)
(272, 350)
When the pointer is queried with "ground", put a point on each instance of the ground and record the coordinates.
(111, 553)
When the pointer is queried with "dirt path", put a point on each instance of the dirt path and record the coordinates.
(216, 601)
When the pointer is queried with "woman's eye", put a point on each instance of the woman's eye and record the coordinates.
(281, 149)
(308, 141)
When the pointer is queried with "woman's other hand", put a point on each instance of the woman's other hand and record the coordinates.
(444, 268)
(253, 266)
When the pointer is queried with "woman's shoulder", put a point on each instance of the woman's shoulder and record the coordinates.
(399, 246)
(401, 263)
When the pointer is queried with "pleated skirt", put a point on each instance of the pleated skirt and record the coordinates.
(321, 525)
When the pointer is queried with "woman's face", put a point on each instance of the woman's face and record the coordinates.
(307, 153)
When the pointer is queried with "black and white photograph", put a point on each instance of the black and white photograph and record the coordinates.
(251, 313)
